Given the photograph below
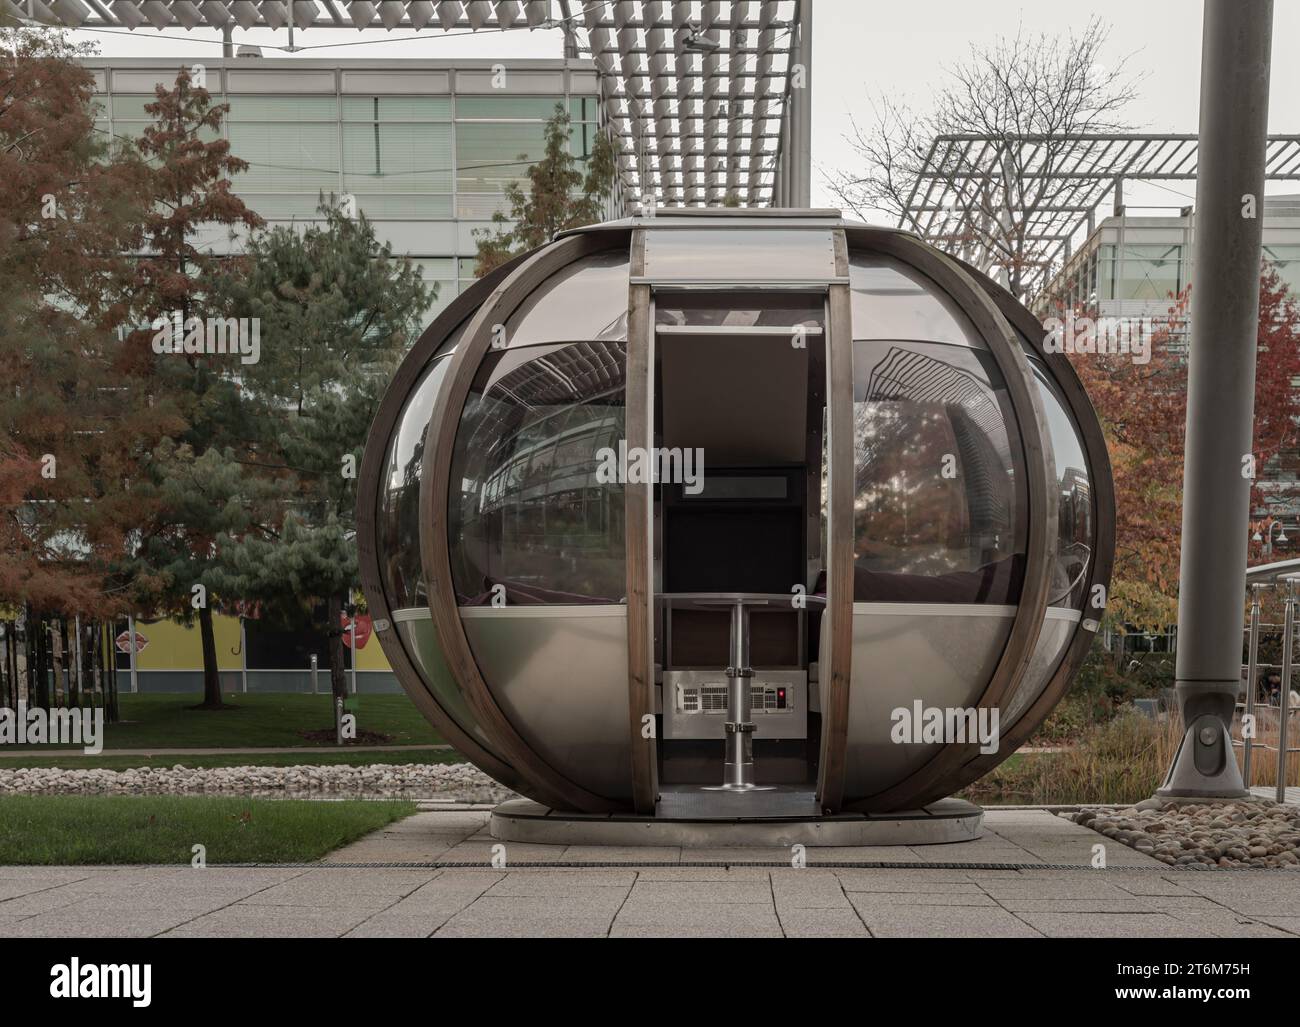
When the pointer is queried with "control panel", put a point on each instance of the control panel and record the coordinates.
(695, 703)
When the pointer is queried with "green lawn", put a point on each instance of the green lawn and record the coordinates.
(66, 830)
(261, 720)
(308, 757)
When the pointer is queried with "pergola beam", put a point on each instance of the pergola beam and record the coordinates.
(671, 72)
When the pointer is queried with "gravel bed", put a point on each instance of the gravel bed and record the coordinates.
(1258, 833)
(461, 782)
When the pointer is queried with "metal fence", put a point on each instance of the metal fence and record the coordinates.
(1256, 718)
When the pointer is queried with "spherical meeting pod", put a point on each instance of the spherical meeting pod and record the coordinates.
(854, 438)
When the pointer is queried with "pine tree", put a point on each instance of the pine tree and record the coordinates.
(337, 310)
(190, 170)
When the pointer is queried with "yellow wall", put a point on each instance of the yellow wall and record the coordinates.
(174, 646)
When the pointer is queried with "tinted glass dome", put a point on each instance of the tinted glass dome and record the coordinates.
(880, 438)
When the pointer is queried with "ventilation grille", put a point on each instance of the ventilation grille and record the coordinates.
(713, 699)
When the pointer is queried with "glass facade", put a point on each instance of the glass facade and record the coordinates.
(1152, 272)
(1286, 261)
(407, 158)
(531, 520)
(1149, 271)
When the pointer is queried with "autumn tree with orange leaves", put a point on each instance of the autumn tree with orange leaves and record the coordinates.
(1143, 411)
(70, 444)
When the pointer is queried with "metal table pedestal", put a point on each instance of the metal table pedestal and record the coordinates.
(738, 770)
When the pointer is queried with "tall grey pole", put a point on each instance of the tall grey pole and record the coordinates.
(135, 674)
(1235, 51)
(801, 123)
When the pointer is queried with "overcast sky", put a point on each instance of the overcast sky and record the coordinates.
(864, 47)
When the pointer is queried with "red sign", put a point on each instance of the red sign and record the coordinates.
(364, 627)
(124, 642)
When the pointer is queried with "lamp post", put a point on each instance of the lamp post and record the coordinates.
(1236, 48)
(1268, 542)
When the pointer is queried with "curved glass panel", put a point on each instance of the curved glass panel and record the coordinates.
(528, 510)
(397, 543)
(894, 301)
(398, 529)
(936, 517)
(586, 300)
(1076, 534)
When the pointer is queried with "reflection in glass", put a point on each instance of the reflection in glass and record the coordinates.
(1074, 537)
(936, 517)
(526, 509)
(398, 527)
(735, 310)
(894, 301)
(586, 300)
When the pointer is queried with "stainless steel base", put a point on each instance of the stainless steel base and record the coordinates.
(943, 822)
(727, 802)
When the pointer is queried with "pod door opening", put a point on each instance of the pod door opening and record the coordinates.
(739, 429)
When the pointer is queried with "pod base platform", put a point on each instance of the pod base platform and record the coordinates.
(693, 819)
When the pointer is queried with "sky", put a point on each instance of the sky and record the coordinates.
(863, 48)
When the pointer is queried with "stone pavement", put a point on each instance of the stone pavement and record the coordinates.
(1134, 897)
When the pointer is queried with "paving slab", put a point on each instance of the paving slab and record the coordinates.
(703, 892)
(85, 924)
(944, 922)
(559, 884)
(389, 925)
(821, 923)
(809, 890)
(854, 881)
(714, 920)
(470, 925)
(1018, 896)
(877, 899)
(242, 921)
(1114, 925)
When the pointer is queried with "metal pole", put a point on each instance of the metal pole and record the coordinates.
(243, 655)
(135, 678)
(1284, 700)
(739, 769)
(227, 40)
(352, 634)
(313, 674)
(1237, 40)
(81, 681)
(801, 156)
(1252, 671)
